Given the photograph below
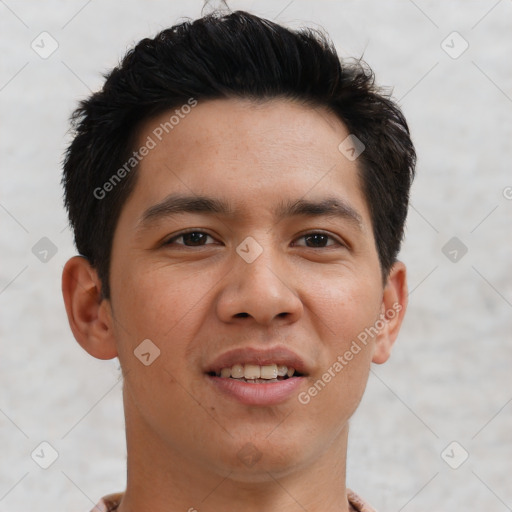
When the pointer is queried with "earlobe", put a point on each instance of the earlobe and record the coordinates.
(88, 313)
(394, 304)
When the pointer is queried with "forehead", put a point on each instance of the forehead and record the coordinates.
(227, 126)
(255, 153)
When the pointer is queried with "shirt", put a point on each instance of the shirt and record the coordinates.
(111, 502)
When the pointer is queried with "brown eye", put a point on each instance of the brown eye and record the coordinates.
(318, 240)
(190, 239)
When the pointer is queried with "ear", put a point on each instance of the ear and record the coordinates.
(394, 304)
(89, 314)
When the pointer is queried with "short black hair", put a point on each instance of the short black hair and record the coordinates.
(235, 55)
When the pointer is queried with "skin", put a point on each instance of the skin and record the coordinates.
(183, 437)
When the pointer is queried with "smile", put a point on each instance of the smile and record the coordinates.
(253, 373)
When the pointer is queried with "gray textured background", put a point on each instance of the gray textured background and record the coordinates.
(449, 378)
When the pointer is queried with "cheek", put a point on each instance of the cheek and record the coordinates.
(344, 311)
(150, 305)
(344, 306)
(157, 302)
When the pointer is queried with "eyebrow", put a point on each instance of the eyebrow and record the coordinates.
(176, 204)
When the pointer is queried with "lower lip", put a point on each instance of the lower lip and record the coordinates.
(257, 394)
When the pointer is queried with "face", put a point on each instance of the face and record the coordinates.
(253, 275)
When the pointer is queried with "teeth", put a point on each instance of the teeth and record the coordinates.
(252, 371)
(259, 381)
(269, 371)
(281, 370)
(237, 371)
(255, 373)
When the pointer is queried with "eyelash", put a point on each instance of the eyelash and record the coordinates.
(309, 233)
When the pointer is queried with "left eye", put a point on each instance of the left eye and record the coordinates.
(318, 238)
(196, 238)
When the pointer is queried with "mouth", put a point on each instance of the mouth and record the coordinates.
(257, 374)
(257, 377)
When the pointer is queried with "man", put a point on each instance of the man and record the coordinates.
(238, 196)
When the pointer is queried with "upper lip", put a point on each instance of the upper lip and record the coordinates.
(252, 355)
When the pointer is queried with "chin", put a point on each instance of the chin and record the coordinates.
(259, 461)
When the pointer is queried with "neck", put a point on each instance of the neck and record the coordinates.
(161, 478)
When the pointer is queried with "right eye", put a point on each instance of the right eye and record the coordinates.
(191, 238)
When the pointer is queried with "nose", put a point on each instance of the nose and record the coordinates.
(263, 290)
